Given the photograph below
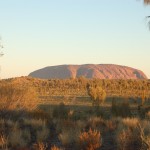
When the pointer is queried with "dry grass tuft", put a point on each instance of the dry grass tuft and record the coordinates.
(3, 142)
(40, 146)
(130, 122)
(148, 115)
(90, 140)
(55, 148)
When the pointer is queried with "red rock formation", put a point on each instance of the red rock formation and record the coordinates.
(101, 71)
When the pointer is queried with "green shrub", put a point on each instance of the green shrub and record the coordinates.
(143, 110)
(97, 94)
(121, 109)
(42, 134)
(61, 111)
(40, 114)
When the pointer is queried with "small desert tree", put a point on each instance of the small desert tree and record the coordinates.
(97, 94)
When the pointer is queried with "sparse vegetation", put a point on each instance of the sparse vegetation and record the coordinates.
(74, 107)
(60, 121)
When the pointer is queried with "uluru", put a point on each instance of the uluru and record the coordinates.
(100, 71)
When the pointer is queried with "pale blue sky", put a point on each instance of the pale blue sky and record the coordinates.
(40, 33)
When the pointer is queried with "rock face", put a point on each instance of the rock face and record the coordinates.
(101, 71)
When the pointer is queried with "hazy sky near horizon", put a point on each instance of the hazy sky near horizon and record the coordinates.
(40, 33)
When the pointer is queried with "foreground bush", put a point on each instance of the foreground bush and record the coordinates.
(132, 136)
(90, 140)
(13, 97)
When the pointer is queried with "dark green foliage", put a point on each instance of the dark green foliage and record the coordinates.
(99, 112)
(40, 114)
(120, 109)
(143, 110)
(61, 111)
